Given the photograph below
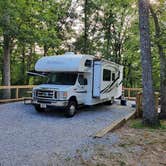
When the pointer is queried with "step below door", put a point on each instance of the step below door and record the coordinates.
(96, 79)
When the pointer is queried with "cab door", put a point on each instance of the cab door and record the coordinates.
(81, 88)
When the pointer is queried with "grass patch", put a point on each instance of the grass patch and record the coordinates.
(67, 158)
(137, 124)
(122, 163)
(124, 145)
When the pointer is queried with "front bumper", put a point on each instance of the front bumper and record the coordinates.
(55, 103)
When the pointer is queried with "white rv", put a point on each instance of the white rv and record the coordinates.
(74, 80)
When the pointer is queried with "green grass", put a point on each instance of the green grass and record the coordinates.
(122, 163)
(137, 124)
(67, 158)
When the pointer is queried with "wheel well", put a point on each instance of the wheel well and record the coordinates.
(73, 98)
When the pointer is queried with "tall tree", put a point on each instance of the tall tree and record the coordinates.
(115, 28)
(149, 113)
(9, 30)
(85, 25)
(159, 43)
(19, 39)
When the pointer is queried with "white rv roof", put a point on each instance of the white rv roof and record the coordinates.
(69, 62)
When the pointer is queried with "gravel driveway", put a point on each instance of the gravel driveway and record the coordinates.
(29, 138)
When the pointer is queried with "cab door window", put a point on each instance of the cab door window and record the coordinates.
(81, 79)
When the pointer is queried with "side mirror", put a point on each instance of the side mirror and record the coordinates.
(85, 81)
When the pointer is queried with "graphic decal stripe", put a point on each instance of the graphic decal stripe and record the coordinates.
(107, 88)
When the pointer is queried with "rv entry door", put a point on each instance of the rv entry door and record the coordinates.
(96, 79)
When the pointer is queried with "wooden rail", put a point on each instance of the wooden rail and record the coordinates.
(128, 92)
(17, 88)
(139, 109)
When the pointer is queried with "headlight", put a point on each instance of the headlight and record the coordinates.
(62, 95)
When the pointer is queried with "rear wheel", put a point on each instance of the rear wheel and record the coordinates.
(39, 109)
(110, 102)
(71, 109)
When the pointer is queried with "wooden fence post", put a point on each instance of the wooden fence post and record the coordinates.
(139, 105)
(129, 93)
(16, 93)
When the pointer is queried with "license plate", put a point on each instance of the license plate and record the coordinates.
(43, 105)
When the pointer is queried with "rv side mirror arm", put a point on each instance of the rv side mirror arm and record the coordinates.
(35, 74)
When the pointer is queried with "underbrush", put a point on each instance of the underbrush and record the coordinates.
(137, 124)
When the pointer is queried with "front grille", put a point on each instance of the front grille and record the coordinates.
(46, 94)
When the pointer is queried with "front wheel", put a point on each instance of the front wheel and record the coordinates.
(71, 109)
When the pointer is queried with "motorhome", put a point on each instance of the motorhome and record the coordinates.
(74, 80)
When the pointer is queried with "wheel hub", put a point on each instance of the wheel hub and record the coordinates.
(72, 109)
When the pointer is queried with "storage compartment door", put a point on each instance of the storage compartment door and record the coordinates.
(97, 79)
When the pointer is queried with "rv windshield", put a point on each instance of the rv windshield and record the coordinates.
(62, 78)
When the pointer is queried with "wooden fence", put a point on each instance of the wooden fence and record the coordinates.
(139, 109)
(18, 89)
(129, 93)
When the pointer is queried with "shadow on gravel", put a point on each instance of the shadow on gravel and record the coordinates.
(60, 112)
(51, 112)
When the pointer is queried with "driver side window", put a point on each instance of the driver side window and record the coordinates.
(81, 79)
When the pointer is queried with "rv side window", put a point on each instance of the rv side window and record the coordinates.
(88, 63)
(106, 75)
(113, 76)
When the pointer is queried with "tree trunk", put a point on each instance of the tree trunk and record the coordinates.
(162, 65)
(23, 76)
(162, 85)
(149, 113)
(6, 66)
(108, 45)
(45, 50)
(29, 62)
(108, 34)
(85, 26)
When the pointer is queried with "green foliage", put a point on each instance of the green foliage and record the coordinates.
(159, 9)
(44, 27)
(137, 124)
(29, 24)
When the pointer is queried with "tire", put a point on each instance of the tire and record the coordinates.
(39, 109)
(110, 102)
(123, 102)
(71, 109)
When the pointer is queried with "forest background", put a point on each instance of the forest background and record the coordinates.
(30, 29)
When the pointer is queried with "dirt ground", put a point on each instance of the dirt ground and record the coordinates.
(133, 147)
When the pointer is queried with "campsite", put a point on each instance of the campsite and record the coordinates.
(82, 83)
